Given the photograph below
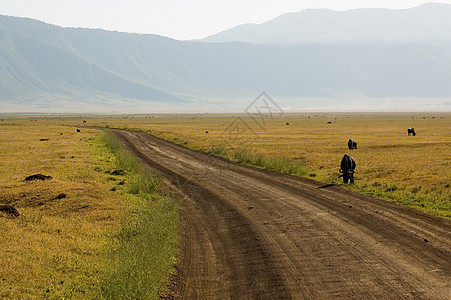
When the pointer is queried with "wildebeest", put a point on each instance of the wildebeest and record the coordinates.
(352, 144)
(347, 168)
(411, 131)
(78, 130)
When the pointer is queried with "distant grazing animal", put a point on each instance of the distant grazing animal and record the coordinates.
(347, 168)
(78, 130)
(352, 144)
(411, 131)
(84, 121)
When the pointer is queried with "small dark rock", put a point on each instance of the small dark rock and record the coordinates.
(426, 240)
(117, 172)
(9, 210)
(60, 196)
(37, 177)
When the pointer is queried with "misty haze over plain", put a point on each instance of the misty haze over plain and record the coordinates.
(362, 59)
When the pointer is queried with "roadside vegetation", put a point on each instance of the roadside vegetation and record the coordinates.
(412, 171)
(98, 229)
(143, 254)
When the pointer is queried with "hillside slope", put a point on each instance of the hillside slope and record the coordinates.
(43, 65)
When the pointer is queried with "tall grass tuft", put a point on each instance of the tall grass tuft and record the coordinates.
(279, 164)
(142, 257)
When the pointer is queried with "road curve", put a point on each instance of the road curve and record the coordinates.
(255, 234)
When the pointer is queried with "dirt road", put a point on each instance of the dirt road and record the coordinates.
(255, 234)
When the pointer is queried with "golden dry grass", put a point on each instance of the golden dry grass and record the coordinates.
(56, 248)
(396, 165)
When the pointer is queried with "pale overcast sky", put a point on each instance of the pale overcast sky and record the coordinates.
(179, 19)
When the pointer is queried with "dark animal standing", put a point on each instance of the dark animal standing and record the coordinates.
(352, 144)
(411, 131)
(78, 130)
(347, 168)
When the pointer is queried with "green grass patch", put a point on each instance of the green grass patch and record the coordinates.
(435, 202)
(278, 164)
(143, 252)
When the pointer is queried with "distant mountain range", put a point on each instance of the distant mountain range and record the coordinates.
(429, 23)
(352, 54)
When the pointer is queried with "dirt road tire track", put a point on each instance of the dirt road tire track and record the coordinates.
(255, 234)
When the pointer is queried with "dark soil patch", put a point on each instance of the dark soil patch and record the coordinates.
(60, 196)
(8, 209)
(118, 172)
(37, 177)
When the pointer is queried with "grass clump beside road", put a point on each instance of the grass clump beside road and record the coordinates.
(143, 253)
(274, 163)
(436, 202)
(97, 230)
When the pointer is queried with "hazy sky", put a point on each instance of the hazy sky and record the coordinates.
(179, 19)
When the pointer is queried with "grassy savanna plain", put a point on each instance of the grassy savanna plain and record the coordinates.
(412, 171)
(85, 233)
(96, 242)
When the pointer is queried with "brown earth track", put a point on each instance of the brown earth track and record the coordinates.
(255, 234)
